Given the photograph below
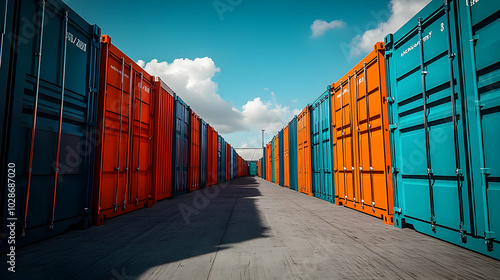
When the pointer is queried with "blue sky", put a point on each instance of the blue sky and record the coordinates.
(247, 65)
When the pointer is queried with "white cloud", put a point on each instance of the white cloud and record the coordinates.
(319, 26)
(193, 81)
(400, 12)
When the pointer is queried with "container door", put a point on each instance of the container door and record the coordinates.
(481, 23)
(326, 147)
(427, 112)
(316, 153)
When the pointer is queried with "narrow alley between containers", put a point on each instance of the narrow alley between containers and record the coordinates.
(248, 228)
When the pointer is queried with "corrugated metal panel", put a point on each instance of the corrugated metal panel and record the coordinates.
(292, 138)
(162, 139)
(194, 152)
(124, 155)
(286, 157)
(269, 162)
(31, 83)
(321, 148)
(276, 159)
(221, 161)
(253, 168)
(181, 147)
(442, 81)
(280, 160)
(481, 26)
(304, 151)
(203, 153)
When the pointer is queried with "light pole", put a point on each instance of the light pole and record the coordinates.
(263, 138)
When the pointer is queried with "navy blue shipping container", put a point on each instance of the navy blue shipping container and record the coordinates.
(203, 153)
(221, 160)
(292, 151)
(281, 179)
(49, 76)
(321, 148)
(443, 79)
(234, 173)
(180, 159)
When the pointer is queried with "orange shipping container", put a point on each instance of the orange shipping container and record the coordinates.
(276, 159)
(123, 177)
(304, 151)
(363, 178)
(269, 164)
(286, 158)
(162, 140)
(194, 153)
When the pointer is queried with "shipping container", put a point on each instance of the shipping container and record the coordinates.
(212, 156)
(235, 166)
(363, 176)
(280, 159)
(48, 105)
(273, 160)
(444, 103)
(181, 147)
(269, 164)
(259, 168)
(221, 160)
(253, 168)
(233, 163)
(321, 148)
(203, 153)
(228, 162)
(123, 177)
(194, 152)
(304, 151)
(480, 24)
(263, 163)
(292, 150)
(162, 140)
(286, 157)
(276, 159)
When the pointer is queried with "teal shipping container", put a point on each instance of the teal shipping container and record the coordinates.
(321, 148)
(252, 168)
(443, 74)
(281, 162)
(292, 142)
(49, 75)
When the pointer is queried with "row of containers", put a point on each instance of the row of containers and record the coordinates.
(408, 135)
(87, 134)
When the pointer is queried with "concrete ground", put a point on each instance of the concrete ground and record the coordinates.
(247, 229)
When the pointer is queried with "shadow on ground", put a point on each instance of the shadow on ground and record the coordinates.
(128, 246)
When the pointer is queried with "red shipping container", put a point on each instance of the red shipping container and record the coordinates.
(123, 175)
(194, 154)
(212, 157)
(162, 140)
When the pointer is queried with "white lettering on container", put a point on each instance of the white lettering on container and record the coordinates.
(77, 42)
(409, 49)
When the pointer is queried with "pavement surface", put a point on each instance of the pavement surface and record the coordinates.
(247, 228)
